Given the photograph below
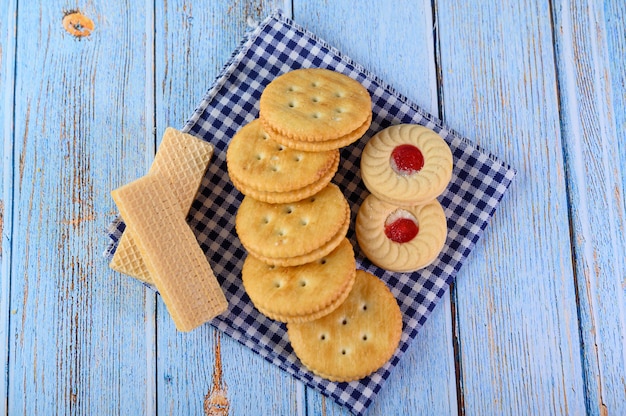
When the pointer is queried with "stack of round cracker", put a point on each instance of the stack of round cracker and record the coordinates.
(301, 293)
(293, 221)
(268, 171)
(315, 109)
(295, 233)
(401, 226)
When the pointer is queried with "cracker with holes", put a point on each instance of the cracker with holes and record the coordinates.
(295, 233)
(268, 171)
(400, 239)
(301, 293)
(406, 165)
(315, 109)
(355, 339)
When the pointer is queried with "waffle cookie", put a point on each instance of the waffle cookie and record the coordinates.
(315, 109)
(270, 172)
(293, 233)
(181, 160)
(406, 165)
(355, 339)
(301, 293)
(176, 263)
(400, 239)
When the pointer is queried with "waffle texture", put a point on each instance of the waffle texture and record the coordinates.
(175, 261)
(181, 160)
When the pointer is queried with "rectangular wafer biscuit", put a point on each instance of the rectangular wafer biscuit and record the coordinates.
(170, 251)
(182, 160)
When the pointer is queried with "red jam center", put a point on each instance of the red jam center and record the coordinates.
(401, 230)
(407, 159)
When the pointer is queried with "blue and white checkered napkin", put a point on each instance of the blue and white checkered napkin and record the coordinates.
(478, 183)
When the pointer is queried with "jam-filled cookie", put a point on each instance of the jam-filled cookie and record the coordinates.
(406, 165)
(400, 239)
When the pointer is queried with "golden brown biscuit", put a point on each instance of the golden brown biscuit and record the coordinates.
(314, 105)
(355, 339)
(406, 165)
(261, 164)
(282, 232)
(289, 196)
(300, 293)
(320, 146)
(400, 239)
(316, 254)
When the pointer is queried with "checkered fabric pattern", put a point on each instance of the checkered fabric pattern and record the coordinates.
(479, 181)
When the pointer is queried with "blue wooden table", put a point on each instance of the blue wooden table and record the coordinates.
(536, 320)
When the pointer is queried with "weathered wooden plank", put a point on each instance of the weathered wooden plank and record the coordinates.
(615, 32)
(77, 331)
(148, 139)
(7, 82)
(394, 39)
(194, 40)
(592, 148)
(515, 300)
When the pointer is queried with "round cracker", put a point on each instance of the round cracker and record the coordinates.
(314, 315)
(291, 229)
(314, 104)
(354, 340)
(320, 146)
(412, 255)
(262, 164)
(300, 293)
(289, 196)
(313, 255)
(406, 189)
